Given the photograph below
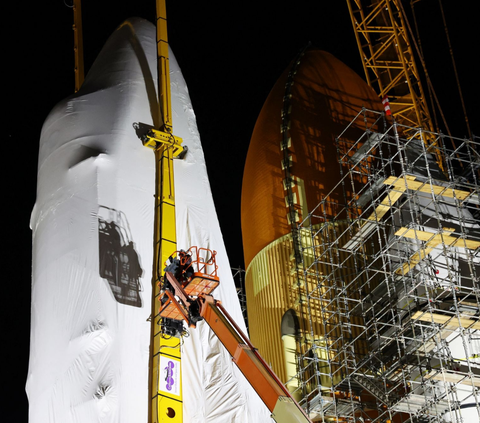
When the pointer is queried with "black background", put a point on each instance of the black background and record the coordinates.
(231, 54)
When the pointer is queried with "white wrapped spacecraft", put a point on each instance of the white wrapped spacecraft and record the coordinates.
(93, 245)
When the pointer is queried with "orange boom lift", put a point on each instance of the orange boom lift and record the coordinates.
(185, 295)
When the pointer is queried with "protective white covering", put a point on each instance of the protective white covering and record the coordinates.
(92, 252)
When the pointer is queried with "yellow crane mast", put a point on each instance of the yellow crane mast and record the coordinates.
(165, 404)
(193, 304)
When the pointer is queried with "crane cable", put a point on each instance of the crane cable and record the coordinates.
(420, 53)
(429, 82)
(424, 66)
(455, 71)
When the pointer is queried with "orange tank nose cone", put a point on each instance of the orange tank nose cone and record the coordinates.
(325, 96)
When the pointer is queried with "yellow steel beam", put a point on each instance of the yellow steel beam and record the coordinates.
(78, 44)
(432, 241)
(166, 399)
(413, 185)
(391, 198)
(400, 185)
(163, 66)
(449, 376)
(153, 137)
(449, 321)
(166, 391)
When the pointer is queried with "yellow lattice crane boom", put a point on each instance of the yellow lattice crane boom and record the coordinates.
(388, 60)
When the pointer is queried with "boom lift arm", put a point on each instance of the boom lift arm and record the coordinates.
(186, 296)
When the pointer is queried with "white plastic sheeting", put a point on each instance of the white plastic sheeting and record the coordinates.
(92, 251)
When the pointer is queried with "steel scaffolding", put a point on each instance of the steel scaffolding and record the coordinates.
(239, 279)
(390, 286)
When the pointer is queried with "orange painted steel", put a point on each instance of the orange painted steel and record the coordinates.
(200, 284)
(244, 354)
(189, 299)
(325, 97)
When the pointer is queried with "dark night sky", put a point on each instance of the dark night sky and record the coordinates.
(230, 60)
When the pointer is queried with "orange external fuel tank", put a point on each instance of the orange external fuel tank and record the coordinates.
(292, 163)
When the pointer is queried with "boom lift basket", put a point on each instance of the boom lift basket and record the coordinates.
(196, 272)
